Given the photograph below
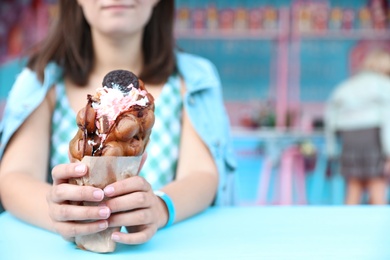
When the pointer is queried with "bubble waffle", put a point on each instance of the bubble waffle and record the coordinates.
(117, 120)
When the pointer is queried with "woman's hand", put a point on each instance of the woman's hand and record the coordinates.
(134, 205)
(70, 218)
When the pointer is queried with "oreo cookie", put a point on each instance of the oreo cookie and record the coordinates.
(120, 79)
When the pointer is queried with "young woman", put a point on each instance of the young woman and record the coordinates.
(189, 155)
(358, 114)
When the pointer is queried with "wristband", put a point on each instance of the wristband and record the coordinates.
(169, 203)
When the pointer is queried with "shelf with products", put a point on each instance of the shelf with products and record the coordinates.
(248, 46)
(228, 34)
(356, 34)
(356, 18)
(223, 19)
(328, 42)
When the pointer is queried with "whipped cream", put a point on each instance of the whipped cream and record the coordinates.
(112, 102)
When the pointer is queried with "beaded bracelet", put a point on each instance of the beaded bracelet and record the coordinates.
(169, 203)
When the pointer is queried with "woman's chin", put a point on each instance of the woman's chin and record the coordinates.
(121, 32)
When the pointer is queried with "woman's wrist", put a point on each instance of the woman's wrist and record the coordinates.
(168, 208)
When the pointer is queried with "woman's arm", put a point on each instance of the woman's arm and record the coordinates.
(196, 181)
(24, 168)
(25, 192)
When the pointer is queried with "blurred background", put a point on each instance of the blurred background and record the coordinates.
(278, 61)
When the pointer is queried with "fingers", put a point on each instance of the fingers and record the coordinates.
(72, 229)
(130, 201)
(145, 234)
(132, 184)
(62, 172)
(70, 192)
(131, 218)
(67, 212)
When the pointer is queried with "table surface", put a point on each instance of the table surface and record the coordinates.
(296, 232)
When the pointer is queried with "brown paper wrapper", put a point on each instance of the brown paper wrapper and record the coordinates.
(104, 170)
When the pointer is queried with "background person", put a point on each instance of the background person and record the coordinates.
(358, 113)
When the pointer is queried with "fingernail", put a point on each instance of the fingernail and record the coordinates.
(98, 194)
(80, 168)
(115, 237)
(103, 225)
(104, 212)
(109, 190)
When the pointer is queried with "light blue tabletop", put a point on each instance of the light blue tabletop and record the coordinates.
(301, 232)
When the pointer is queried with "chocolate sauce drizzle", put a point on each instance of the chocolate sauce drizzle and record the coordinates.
(117, 78)
(97, 152)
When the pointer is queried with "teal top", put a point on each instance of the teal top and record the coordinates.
(203, 102)
(363, 101)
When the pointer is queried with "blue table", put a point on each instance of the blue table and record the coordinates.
(230, 233)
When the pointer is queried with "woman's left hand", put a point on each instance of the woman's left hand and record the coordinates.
(134, 205)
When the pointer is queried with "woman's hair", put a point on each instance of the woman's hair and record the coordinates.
(377, 60)
(69, 44)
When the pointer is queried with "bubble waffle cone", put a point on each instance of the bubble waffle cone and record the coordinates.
(114, 129)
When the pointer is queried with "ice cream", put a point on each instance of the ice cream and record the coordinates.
(114, 129)
(117, 120)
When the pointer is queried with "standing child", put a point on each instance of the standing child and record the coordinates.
(358, 114)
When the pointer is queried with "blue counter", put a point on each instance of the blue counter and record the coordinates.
(282, 233)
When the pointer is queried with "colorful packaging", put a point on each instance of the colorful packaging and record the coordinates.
(212, 18)
(270, 18)
(365, 19)
(336, 18)
(226, 19)
(182, 18)
(198, 17)
(379, 9)
(320, 17)
(301, 17)
(348, 20)
(255, 18)
(241, 19)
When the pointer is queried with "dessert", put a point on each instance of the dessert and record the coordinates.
(117, 120)
(114, 129)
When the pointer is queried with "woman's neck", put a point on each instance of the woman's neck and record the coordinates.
(117, 53)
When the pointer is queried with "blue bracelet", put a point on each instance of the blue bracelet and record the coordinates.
(169, 203)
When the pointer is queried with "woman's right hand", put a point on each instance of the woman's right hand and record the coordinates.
(70, 218)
